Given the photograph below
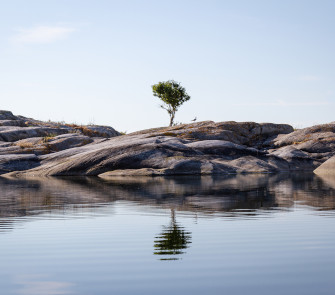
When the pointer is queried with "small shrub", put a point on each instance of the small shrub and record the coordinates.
(48, 137)
(72, 125)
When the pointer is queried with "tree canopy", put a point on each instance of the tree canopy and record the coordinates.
(172, 94)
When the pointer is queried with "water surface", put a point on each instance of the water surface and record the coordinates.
(246, 234)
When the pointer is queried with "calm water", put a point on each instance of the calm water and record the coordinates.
(247, 234)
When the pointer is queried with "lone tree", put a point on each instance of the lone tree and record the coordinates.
(173, 96)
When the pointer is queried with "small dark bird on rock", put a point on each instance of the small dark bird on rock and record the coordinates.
(194, 119)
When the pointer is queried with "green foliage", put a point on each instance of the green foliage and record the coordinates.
(173, 240)
(172, 94)
(49, 137)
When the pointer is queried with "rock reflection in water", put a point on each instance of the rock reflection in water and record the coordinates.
(243, 234)
(233, 196)
(172, 241)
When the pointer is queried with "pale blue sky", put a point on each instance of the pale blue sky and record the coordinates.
(95, 61)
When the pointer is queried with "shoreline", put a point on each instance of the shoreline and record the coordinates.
(29, 147)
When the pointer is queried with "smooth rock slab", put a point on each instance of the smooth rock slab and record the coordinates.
(11, 133)
(327, 167)
(165, 155)
(10, 163)
(322, 132)
(7, 115)
(245, 133)
(12, 123)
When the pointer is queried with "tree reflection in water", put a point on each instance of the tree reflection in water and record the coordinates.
(172, 241)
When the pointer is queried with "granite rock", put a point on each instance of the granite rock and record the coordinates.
(327, 168)
(37, 148)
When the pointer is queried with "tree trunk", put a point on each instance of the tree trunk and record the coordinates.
(171, 118)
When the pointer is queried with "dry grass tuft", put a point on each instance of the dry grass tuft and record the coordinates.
(25, 145)
(86, 131)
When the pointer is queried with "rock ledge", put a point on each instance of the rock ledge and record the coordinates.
(30, 147)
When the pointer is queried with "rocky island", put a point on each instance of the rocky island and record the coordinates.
(29, 147)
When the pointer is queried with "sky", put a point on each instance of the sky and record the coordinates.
(94, 61)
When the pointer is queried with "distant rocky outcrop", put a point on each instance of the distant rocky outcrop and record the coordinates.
(30, 147)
